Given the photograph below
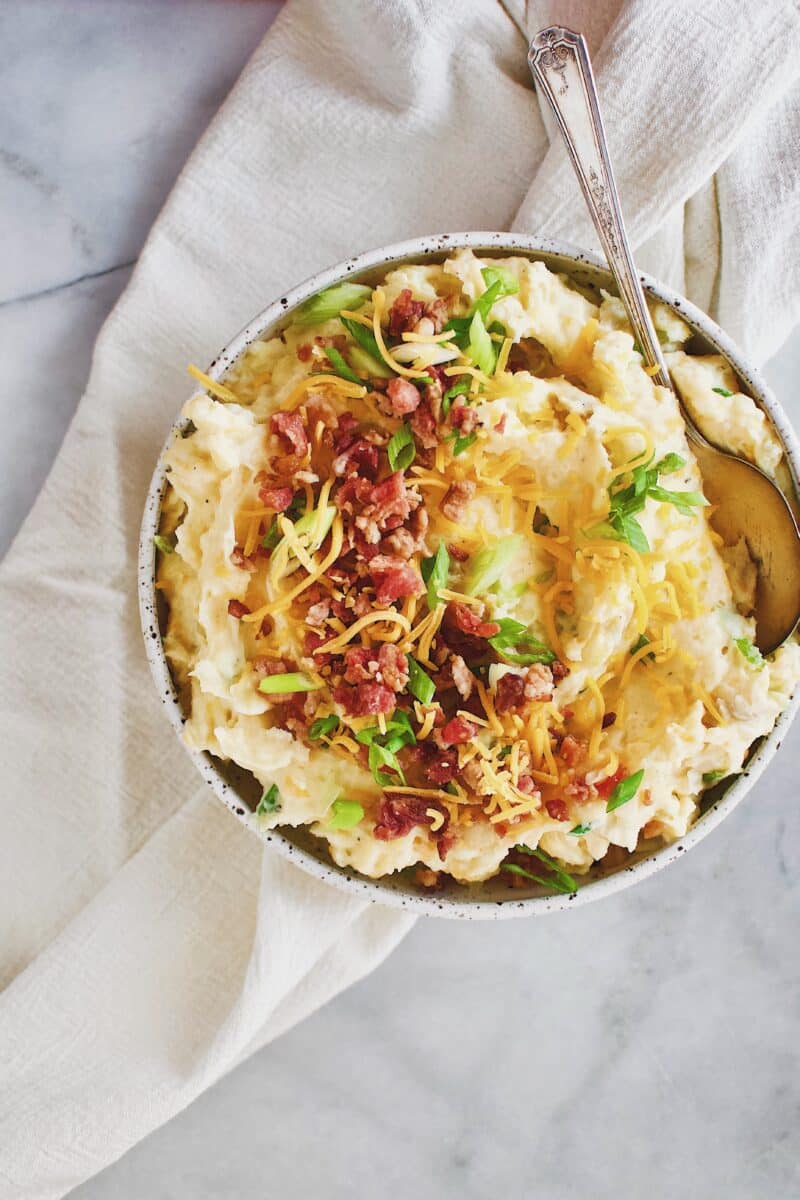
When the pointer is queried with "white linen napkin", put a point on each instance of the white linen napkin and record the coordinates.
(147, 942)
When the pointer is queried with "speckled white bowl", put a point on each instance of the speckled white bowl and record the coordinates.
(239, 791)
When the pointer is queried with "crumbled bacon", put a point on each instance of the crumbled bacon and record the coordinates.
(393, 667)
(527, 785)
(572, 750)
(457, 553)
(289, 427)
(464, 418)
(241, 560)
(402, 397)
(500, 427)
(336, 340)
(456, 499)
(237, 609)
(360, 457)
(388, 666)
(608, 719)
(397, 816)
(557, 809)
(538, 682)
(443, 768)
(559, 670)
(346, 432)
(423, 426)
(438, 312)
(304, 352)
(456, 731)
(311, 645)
(461, 675)
(365, 699)
(277, 498)
(510, 692)
(469, 621)
(391, 503)
(320, 409)
(263, 665)
(606, 786)
(404, 313)
(317, 613)
(393, 579)
(578, 790)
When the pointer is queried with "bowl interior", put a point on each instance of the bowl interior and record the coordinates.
(240, 791)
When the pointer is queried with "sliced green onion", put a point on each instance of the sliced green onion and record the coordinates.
(380, 757)
(710, 777)
(435, 573)
(565, 880)
(460, 444)
(368, 365)
(287, 681)
(323, 727)
(345, 814)
(491, 563)
(683, 501)
(420, 684)
(165, 544)
(721, 391)
(270, 802)
(624, 791)
(517, 644)
(639, 644)
(330, 303)
(458, 389)
(340, 366)
(750, 652)
(401, 450)
(508, 281)
(579, 830)
(669, 463)
(481, 348)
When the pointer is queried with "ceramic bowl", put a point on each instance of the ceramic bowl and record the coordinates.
(239, 791)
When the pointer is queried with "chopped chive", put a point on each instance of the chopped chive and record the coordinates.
(435, 573)
(750, 652)
(460, 444)
(710, 777)
(420, 684)
(270, 802)
(330, 303)
(287, 681)
(323, 727)
(345, 814)
(624, 791)
(579, 830)
(339, 365)
(721, 391)
(401, 449)
(165, 544)
(490, 564)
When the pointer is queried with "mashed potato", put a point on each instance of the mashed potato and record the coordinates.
(440, 574)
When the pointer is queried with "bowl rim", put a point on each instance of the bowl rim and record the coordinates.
(385, 890)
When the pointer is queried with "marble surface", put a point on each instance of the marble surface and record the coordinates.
(645, 1045)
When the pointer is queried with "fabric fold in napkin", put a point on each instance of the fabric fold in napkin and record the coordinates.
(148, 943)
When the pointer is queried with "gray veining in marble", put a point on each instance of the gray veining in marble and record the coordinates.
(641, 1047)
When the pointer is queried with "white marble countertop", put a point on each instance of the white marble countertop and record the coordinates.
(644, 1046)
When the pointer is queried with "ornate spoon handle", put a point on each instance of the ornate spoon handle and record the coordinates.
(559, 63)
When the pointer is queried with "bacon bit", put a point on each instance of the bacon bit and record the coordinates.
(237, 609)
(304, 352)
(241, 560)
(402, 396)
(445, 840)
(397, 816)
(527, 785)
(438, 311)
(404, 313)
(289, 427)
(401, 542)
(361, 456)
(346, 432)
(462, 677)
(559, 670)
(277, 498)
(456, 731)
(463, 418)
(456, 499)
(469, 622)
(391, 501)
(572, 750)
(320, 409)
(392, 667)
(606, 786)
(365, 699)
(318, 612)
(423, 426)
(579, 790)
(263, 665)
(538, 682)
(387, 665)
(393, 579)
(311, 645)
(500, 427)
(608, 719)
(557, 809)
(510, 692)
(336, 340)
(457, 553)
(443, 768)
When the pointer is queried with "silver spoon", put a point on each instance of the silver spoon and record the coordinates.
(747, 503)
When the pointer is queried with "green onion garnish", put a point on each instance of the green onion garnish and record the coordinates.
(624, 791)
(330, 303)
(165, 544)
(710, 777)
(270, 802)
(419, 683)
(750, 652)
(579, 830)
(561, 880)
(345, 814)
(517, 644)
(323, 727)
(721, 391)
(509, 284)
(458, 389)
(435, 572)
(481, 347)
(639, 644)
(287, 681)
(625, 503)
(340, 366)
(460, 444)
(401, 449)
(491, 563)
(380, 757)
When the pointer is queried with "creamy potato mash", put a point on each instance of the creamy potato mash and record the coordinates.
(441, 575)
